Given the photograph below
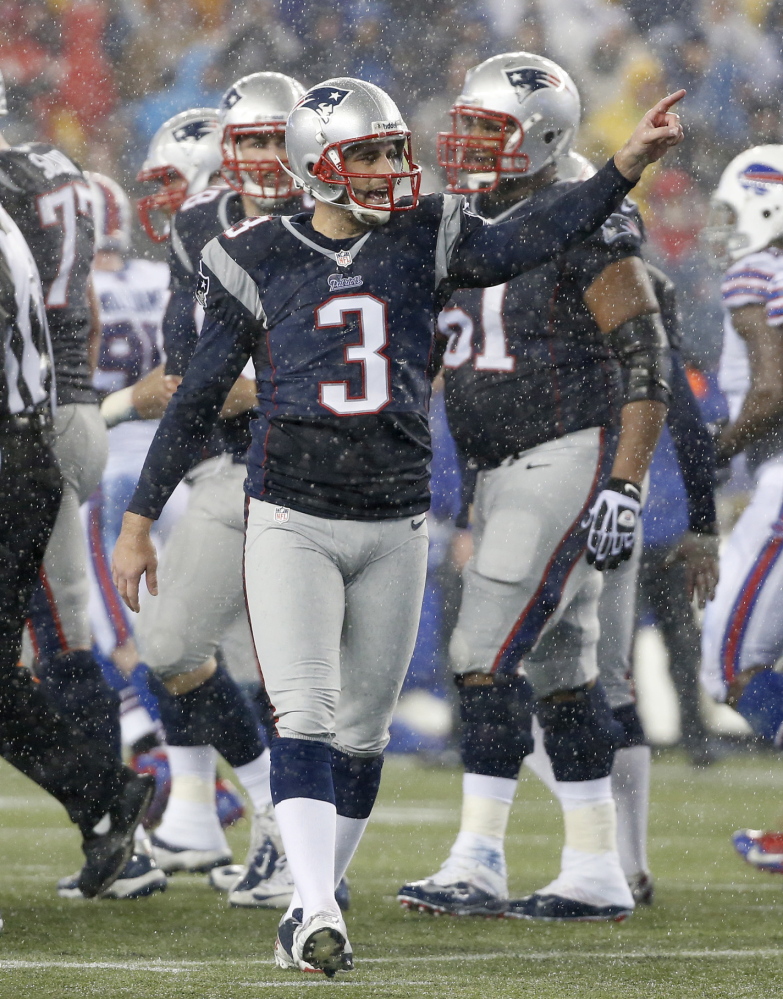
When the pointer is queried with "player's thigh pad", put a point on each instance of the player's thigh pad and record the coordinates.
(528, 544)
(200, 576)
(743, 625)
(334, 608)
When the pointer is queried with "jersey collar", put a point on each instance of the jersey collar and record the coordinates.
(343, 258)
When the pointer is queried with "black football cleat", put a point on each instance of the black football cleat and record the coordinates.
(458, 899)
(109, 846)
(557, 909)
(642, 888)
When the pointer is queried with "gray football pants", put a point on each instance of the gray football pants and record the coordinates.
(334, 608)
(201, 602)
(617, 614)
(528, 593)
(59, 617)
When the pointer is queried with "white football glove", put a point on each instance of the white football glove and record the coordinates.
(611, 524)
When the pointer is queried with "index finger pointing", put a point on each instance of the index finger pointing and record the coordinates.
(668, 102)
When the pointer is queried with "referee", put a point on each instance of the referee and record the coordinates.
(101, 796)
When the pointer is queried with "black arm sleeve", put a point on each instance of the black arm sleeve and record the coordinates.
(223, 349)
(695, 450)
(179, 331)
(491, 254)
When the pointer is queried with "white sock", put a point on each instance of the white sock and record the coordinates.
(254, 778)
(191, 819)
(486, 804)
(348, 836)
(135, 722)
(631, 790)
(590, 865)
(538, 761)
(308, 830)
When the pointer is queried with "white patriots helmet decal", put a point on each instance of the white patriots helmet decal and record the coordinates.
(527, 79)
(324, 100)
(193, 130)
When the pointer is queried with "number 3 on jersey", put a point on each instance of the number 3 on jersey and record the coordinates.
(368, 352)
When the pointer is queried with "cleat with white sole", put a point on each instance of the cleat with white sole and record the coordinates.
(284, 945)
(459, 888)
(224, 878)
(266, 882)
(558, 909)
(321, 943)
(171, 859)
(139, 878)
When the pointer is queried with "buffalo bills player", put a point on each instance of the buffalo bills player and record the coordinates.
(202, 603)
(337, 310)
(535, 401)
(742, 637)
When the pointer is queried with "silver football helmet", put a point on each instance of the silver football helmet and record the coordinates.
(258, 104)
(112, 214)
(574, 166)
(330, 121)
(182, 156)
(746, 210)
(517, 113)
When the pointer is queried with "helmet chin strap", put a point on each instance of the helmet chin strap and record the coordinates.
(367, 216)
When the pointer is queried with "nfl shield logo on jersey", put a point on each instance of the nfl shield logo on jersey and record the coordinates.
(343, 258)
(282, 513)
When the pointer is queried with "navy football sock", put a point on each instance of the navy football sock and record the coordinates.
(76, 684)
(214, 714)
(356, 782)
(580, 734)
(301, 769)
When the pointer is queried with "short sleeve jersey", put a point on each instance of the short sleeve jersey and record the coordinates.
(526, 362)
(49, 198)
(753, 280)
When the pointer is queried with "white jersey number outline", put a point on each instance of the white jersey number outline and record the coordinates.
(59, 207)
(494, 356)
(376, 383)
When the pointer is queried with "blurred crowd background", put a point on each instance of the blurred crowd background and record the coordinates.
(97, 77)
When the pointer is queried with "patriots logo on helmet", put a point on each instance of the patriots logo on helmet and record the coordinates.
(756, 176)
(324, 100)
(229, 99)
(527, 79)
(618, 226)
(193, 130)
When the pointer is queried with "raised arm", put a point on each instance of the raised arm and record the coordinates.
(491, 254)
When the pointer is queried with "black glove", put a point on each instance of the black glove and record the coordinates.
(611, 524)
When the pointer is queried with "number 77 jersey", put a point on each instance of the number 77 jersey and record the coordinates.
(49, 198)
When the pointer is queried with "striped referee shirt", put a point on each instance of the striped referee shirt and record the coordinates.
(26, 381)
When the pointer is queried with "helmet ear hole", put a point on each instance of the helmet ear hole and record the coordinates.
(766, 214)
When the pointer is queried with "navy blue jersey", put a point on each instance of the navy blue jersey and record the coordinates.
(340, 332)
(526, 361)
(49, 198)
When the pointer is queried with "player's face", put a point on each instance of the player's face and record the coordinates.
(262, 147)
(172, 186)
(381, 158)
(491, 132)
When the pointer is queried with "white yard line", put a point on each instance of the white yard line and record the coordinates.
(180, 967)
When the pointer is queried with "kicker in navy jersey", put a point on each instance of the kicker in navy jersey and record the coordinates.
(49, 198)
(340, 332)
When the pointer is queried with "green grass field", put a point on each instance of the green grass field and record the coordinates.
(715, 930)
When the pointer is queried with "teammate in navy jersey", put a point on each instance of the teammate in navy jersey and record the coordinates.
(535, 401)
(337, 309)
(202, 606)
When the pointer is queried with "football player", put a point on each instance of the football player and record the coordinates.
(336, 308)
(535, 401)
(742, 635)
(50, 200)
(202, 604)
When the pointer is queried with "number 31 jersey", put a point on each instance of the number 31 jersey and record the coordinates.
(48, 197)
